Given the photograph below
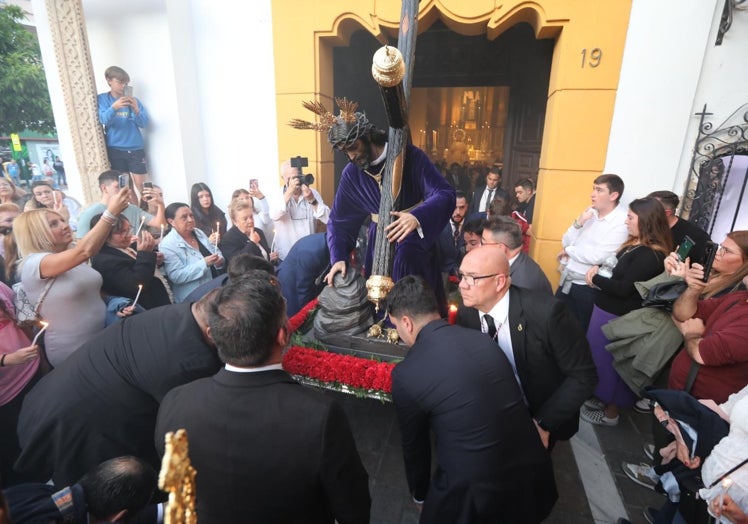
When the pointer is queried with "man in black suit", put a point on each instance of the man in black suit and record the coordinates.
(451, 243)
(266, 449)
(542, 340)
(102, 401)
(484, 195)
(491, 465)
(504, 232)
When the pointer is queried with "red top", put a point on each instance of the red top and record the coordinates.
(724, 349)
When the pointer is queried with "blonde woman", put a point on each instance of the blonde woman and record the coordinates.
(72, 301)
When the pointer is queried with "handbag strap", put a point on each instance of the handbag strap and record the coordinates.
(39, 302)
(691, 378)
(735, 468)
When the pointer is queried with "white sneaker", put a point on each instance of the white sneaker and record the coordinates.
(649, 451)
(597, 417)
(643, 474)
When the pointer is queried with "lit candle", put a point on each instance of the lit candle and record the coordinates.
(142, 221)
(44, 327)
(162, 231)
(135, 302)
(726, 483)
(452, 316)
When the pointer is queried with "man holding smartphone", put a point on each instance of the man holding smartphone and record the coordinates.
(122, 116)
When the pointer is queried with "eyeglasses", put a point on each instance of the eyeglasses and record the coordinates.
(471, 279)
(484, 243)
(721, 250)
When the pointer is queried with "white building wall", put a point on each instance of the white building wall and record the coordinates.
(205, 75)
(665, 45)
(671, 68)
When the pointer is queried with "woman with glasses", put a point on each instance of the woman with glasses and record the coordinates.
(639, 258)
(729, 269)
(123, 268)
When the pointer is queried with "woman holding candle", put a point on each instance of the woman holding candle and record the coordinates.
(190, 258)
(123, 269)
(640, 258)
(72, 305)
(208, 217)
(244, 237)
(19, 364)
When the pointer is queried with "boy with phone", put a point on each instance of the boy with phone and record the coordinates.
(123, 116)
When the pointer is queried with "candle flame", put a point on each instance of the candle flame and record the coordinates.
(726, 482)
(452, 307)
(44, 324)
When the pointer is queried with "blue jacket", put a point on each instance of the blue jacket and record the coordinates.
(121, 127)
(184, 265)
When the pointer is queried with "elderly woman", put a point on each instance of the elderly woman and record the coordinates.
(56, 274)
(125, 269)
(190, 260)
(43, 195)
(244, 237)
(259, 203)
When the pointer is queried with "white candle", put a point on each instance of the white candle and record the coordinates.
(135, 302)
(726, 483)
(162, 231)
(142, 221)
(44, 327)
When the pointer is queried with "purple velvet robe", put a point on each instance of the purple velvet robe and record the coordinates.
(358, 196)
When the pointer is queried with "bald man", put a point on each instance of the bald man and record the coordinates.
(545, 344)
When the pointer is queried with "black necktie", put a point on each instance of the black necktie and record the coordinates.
(491, 326)
(456, 234)
(489, 199)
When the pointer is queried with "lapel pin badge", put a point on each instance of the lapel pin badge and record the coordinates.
(519, 327)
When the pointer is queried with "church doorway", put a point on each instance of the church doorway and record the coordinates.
(473, 100)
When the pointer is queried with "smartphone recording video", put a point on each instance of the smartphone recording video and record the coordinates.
(128, 91)
(685, 247)
(710, 251)
(124, 180)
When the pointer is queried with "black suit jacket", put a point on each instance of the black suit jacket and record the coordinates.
(478, 194)
(552, 355)
(122, 274)
(450, 255)
(102, 401)
(492, 466)
(235, 242)
(526, 273)
(267, 450)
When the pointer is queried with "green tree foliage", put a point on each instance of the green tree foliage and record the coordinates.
(24, 98)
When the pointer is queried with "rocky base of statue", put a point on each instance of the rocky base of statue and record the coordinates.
(343, 309)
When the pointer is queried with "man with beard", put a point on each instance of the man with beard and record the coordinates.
(426, 201)
(451, 240)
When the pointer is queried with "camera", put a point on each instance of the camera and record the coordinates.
(300, 162)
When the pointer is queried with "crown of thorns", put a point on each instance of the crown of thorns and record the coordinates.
(342, 130)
